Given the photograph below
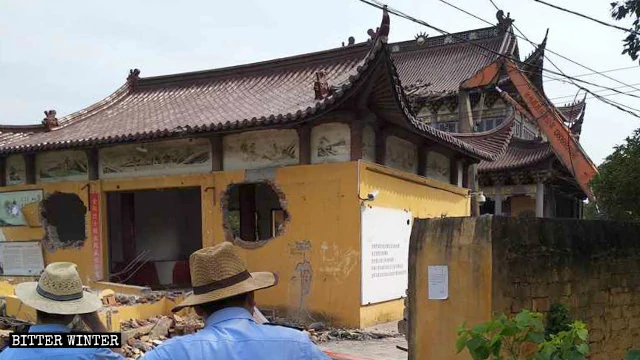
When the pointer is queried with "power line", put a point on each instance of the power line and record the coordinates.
(377, 4)
(588, 17)
(602, 72)
(523, 37)
(596, 91)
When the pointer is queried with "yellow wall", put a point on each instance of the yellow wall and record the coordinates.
(433, 324)
(322, 201)
(425, 198)
(520, 204)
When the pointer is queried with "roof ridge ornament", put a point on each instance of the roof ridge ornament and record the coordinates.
(134, 76)
(421, 38)
(321, 86)
(50, 121)
(504, 22)
(382, 31)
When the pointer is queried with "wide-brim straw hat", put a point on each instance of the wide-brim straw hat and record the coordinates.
(58, 291)
(218, 273)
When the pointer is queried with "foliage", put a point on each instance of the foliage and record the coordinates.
(522, 337)
(621, 10)
(557, 320)
(616, 187)
(633, 355)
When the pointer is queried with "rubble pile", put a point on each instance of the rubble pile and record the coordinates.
(111, 298)
(320, 333)
(140, 336)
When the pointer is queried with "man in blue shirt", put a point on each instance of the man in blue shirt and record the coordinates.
(58, 297)
(223, 293)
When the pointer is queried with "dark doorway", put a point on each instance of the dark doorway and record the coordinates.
(151, 235)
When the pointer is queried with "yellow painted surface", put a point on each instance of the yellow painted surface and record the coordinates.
(119, 288)
(6, 288)
(425, 198)
(434, 323)
(322, 201)
(381, 313)
(18, 310)
(520, 204)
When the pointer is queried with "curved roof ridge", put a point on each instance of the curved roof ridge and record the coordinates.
(494, 141)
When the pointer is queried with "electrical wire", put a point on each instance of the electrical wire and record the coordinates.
(596, 91)
(377, 4)
(588, 17)
(602, 72)
(523, 37)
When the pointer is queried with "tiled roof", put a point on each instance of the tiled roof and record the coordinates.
(519, 154)
(494, 141)
(266, 94)
(443, 62)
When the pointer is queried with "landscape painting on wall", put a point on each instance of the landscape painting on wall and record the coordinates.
(62, 165)
(16, 170)
(161, 158)
(260, 149)
(401, 154)
(330, 143)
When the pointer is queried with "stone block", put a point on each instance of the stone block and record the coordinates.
(614, 312)
(596, 335)
(600, 297)
(619, 324)
(541, 304)
(621, 299)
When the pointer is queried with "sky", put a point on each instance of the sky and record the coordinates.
(66, 55)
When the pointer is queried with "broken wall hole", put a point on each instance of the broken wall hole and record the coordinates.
(62, 216)
(151, 234)
(253, 213)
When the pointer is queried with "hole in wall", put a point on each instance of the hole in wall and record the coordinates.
(253, 213)
(63, 220)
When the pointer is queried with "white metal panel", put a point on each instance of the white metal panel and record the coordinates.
(385, 253)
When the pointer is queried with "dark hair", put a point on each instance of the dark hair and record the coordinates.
(237, 300)
(45, 317)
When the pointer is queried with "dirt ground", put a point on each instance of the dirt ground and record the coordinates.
(381, 349)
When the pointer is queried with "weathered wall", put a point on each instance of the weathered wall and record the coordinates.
(522, 204)
(591, 266)
(464, 245)
(503, 265)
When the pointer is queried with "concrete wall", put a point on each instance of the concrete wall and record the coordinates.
(317, 256)
(503, 265)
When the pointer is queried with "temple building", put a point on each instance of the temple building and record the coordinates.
(314, 165)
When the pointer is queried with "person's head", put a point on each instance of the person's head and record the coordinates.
(220, 279)
(48, 318)
(58, 295)
(246, 301)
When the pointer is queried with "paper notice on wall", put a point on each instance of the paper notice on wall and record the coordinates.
(21, 258)
(438, 282)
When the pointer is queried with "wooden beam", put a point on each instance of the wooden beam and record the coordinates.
(216, 152)
(304, 140)
(30, 168)
(93, 164)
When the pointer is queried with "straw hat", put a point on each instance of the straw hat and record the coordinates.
(58, 291)
(218, 273)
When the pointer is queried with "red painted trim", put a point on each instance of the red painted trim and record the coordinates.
(336, 356)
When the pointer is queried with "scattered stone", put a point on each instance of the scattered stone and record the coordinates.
(317, 326)
(161, 328)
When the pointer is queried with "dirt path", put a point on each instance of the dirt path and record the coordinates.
(380, 349)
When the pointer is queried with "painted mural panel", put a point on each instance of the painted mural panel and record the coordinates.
(369, 143)
(438, 167)
(401, 154)
(260, 149)
(61, 166)
(330, 143)
(12, 204)
(160, 158)
(16, 170)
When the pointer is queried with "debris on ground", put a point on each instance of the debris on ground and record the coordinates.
(142, 335)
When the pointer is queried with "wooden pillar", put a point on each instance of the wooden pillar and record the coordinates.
(216, 153)
(30, 168)
(3, 171)
(540, 199)
(473, 182)
(465, 116)
(247, 195)
(93, 164)
(423, 156)
(356, 127)
(304, 139)
(453, 171)
(460, 171)
(498, 201)
(381, 145)
(465, 176)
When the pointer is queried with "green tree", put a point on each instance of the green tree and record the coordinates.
(621, 10)
(617, 186)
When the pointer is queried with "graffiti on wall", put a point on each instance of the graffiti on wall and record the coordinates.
(302, 278)
(12, 204)
(337, 263)
(438, 167)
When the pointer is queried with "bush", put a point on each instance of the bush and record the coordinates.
(523, 337)
(557, 320)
